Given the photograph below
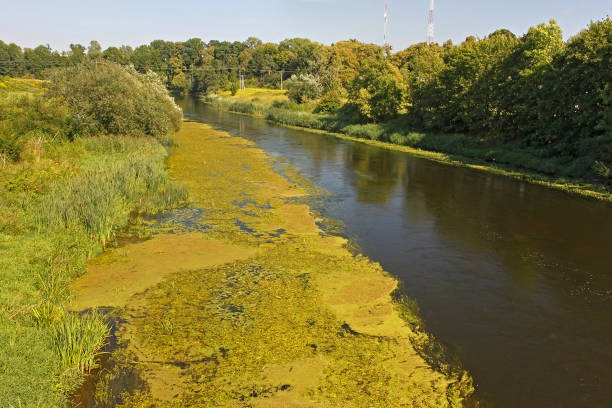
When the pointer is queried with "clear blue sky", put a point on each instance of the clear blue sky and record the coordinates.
(135, 22)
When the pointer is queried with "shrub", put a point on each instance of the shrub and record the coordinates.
(303, 88)
(108, 98)
(25, 116)
(289, 105)
(233, 88)
(11, 146)
(330, 103)
(369, 131)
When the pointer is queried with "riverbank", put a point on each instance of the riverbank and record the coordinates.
(63, 198)
(56, 213)
(456, 150)
(263, 308)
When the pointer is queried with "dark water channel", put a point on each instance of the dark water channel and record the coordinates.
(515, 279)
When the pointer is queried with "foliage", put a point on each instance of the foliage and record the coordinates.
(234, 88)
(533, 92)
(330, 102)
(59, 204)
(378, 90)
(98, 199)
(77, 340)
(40, 255)
(90, 92)
(27, 116)
(303, 88)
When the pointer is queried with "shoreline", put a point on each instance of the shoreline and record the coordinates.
(573, 187)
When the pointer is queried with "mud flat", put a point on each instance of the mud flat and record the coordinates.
(242, 300)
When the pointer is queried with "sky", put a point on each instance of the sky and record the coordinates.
(134, 22)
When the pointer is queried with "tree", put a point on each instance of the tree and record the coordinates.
(378, 90)
(38, 60)
(94, 51)
(90, 91)
(11, 60)
(76, 55)
(115, 55)
(192, 52)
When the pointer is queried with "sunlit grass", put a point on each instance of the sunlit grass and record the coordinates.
(56, 213)
(261, 95)
(77, 340)
(21, 84)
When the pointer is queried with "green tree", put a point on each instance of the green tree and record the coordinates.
(113, 54)
(94, 51)
(76, 55)
(38, 60)
(378, 90)
(90, 91)
(11, 60)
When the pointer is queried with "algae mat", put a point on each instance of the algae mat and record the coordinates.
(242, 301)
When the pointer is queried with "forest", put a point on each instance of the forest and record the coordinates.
(534, 101)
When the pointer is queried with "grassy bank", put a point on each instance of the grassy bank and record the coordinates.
(63, 198)
(54, 215)
(455, 149)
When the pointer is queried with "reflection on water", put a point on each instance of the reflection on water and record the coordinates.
(516, 279)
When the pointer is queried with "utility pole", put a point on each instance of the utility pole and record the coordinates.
(430, 26)
(281, 80)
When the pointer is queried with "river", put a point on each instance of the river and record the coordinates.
(514, 279)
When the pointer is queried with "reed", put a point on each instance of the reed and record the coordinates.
(102, 197)
(77, 340)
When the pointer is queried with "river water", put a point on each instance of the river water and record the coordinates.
(513, 278)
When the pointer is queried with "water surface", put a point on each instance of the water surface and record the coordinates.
(514, 278)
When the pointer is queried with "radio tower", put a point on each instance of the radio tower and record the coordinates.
(430, 26)
(386, 21)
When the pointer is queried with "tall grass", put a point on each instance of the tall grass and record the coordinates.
(77, 340)
(62, 198)
(67, 205)
(101, 198)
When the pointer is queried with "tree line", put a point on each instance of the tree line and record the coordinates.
(533, 91)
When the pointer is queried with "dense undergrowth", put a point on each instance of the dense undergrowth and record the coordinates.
(62, 199)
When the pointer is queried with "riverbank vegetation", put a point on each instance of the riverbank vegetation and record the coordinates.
(66, 187)
(533, 102)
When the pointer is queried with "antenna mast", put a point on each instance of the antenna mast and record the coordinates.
(386, 21)
(430, 26)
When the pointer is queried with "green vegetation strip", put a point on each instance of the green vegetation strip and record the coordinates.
(455, 150)
(63, 197)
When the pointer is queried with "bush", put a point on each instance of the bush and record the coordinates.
(107, 98)
(11, 146)
(288, 105)
(369, 131)
(233, 88)
(303, 88)
(25, 116)
(330, 103)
